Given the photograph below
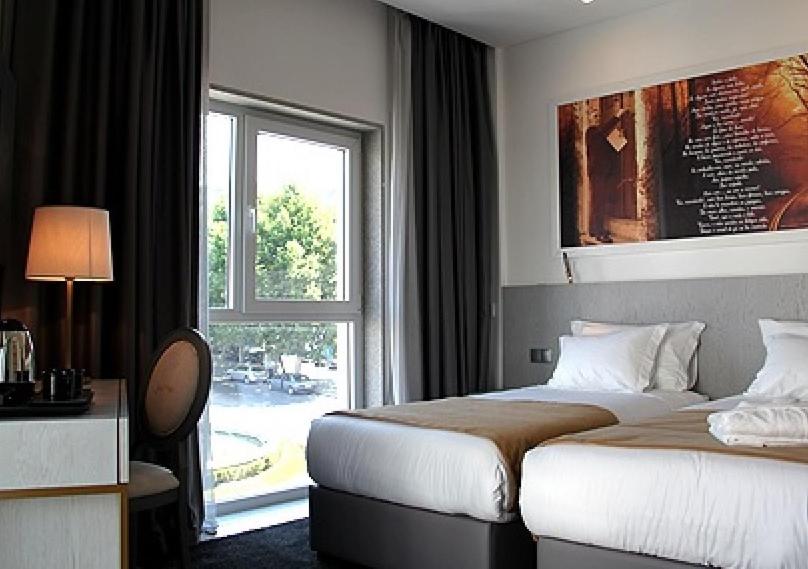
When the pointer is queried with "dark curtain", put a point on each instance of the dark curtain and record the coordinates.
(108, 114)
(8, 92)
(454, 185)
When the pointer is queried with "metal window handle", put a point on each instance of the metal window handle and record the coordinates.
(253, 222)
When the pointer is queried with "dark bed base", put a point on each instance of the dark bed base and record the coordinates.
(380, 534)
(560, 554)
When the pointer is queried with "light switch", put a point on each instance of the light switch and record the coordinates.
(541, 355)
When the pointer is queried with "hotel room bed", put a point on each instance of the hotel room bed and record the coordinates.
(447, 472)
(611, 507)
(381, 477)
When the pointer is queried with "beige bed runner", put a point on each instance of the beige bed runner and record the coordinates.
(682, 430)
(513, 426)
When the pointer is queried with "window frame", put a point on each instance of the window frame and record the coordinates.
(243, 307)
(231, 268)
(352, 228)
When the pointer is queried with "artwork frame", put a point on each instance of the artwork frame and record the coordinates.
(679, 244)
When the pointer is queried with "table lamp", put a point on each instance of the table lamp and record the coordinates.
(69, 244)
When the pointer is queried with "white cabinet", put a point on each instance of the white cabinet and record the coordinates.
(63, 487)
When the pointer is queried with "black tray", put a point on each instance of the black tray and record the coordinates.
(39, 407)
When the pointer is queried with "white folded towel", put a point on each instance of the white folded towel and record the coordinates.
(759, 424)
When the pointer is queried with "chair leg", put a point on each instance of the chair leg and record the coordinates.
(184, 531)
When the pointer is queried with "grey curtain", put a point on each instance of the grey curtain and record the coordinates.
(108, 114)
(454, 189)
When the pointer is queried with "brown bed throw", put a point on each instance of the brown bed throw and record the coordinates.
(513, 426)
(683, 430)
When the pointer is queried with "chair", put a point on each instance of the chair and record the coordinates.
(170, 404)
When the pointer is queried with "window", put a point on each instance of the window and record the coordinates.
(221, 153)
(285, 305)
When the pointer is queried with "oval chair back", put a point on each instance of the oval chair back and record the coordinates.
(176, 389)
(170, 404)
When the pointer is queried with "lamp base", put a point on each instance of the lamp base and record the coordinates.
(69, 324)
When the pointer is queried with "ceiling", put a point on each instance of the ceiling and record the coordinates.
(507, 22)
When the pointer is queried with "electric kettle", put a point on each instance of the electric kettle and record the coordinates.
(16, 353)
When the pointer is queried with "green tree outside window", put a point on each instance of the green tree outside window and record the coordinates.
(295, 260)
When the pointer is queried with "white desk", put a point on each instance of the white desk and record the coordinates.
(63, 499)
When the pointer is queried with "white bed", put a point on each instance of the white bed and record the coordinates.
(698, 507)
(442, 471)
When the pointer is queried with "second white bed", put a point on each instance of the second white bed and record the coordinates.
(698, 507)
(443, 471)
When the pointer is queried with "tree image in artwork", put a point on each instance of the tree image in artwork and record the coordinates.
(718, 154)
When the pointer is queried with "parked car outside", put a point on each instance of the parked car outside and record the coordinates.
(292, 383)
(248, 373)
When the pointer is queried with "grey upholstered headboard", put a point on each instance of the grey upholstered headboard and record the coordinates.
(731, 350)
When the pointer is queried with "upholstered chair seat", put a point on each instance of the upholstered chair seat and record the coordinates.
(147, 479)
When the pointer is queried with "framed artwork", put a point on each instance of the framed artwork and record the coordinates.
(712, 155)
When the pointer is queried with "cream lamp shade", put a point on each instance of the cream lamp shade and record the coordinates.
(69, 243)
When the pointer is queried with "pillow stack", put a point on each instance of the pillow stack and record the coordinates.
(628, 358)
(778, 412)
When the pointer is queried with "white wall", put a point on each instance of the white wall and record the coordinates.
(658, 44)
(325, 54)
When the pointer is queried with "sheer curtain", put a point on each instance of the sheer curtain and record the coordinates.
(209, 522)
(402, 318)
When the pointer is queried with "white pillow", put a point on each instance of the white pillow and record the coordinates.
(785, 373)
(622, 361)
(676, 368)
(770, 328)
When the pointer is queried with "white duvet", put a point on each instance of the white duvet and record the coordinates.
(442, 471)
(697, 507)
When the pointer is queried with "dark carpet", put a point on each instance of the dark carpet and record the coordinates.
(281, 547)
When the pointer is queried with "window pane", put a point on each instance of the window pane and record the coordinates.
(299, 222)
(270, 381)
(220, 170)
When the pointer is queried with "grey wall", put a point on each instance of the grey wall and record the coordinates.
(598, 59)
(321, 54)
(731, 350)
